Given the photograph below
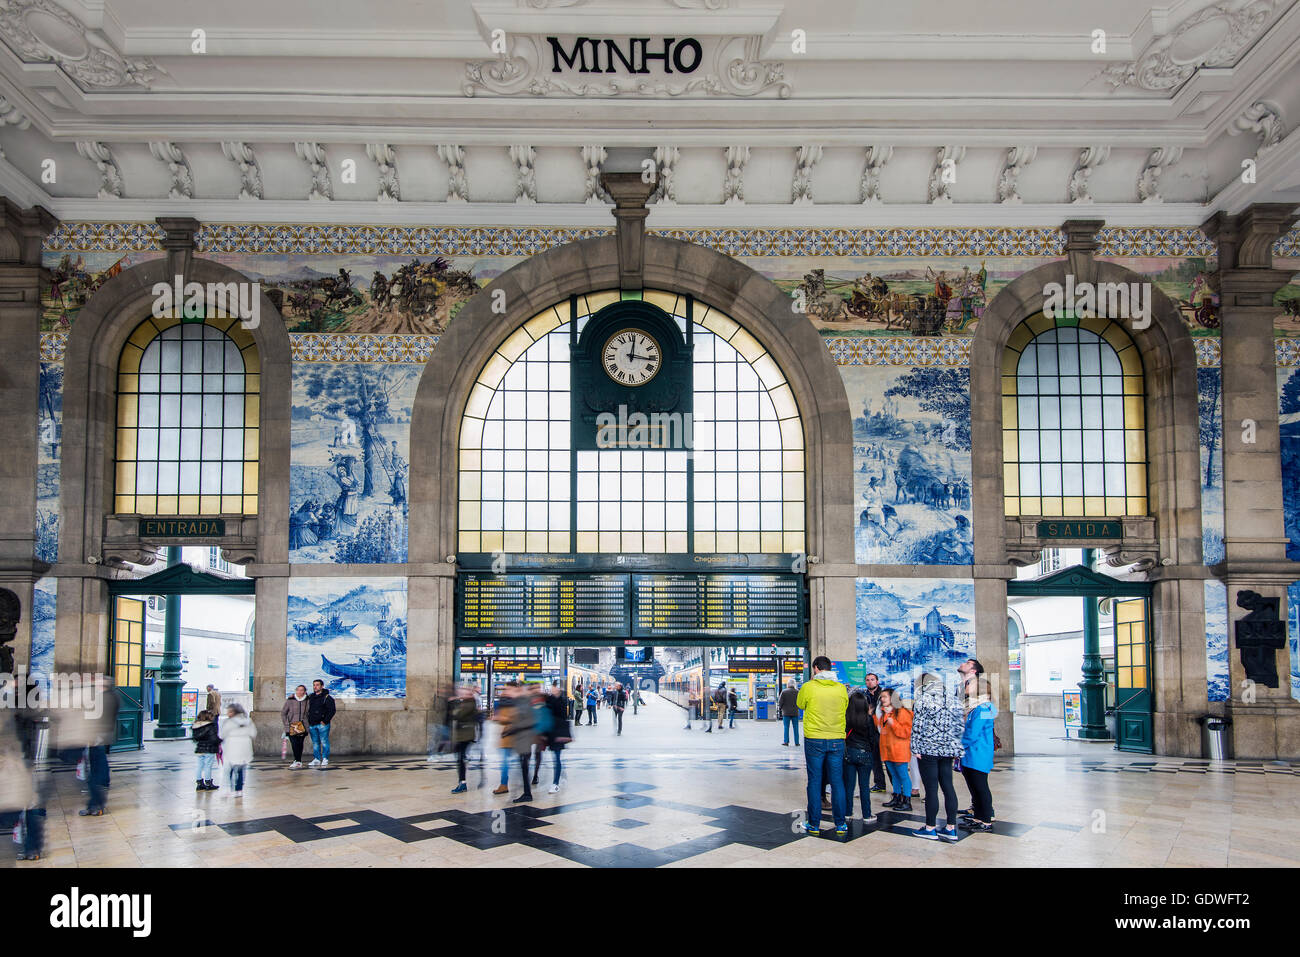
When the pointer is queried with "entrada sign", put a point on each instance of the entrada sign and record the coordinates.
(1080, 530)
(182, 527)
(684, 55)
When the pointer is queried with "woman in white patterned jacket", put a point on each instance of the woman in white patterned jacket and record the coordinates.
(937, 724)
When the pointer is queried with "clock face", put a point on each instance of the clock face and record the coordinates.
(631, 357)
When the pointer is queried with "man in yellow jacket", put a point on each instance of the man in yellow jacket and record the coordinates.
(823, 701)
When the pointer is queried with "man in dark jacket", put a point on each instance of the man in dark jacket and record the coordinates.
(320, 712)
(872, 691)
(733, 705)
(618, 701)
(789, 708)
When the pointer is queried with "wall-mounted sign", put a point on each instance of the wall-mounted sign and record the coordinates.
(474, 665)
(792, 666)
(500, 665)
(182, 527)
(634, 55)
(1013, 660)
(751, 666)
(1080, 529)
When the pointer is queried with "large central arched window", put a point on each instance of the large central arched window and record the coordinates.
(187, 419)
(1073, 420)
(739, 489)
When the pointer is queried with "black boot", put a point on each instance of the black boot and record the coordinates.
(905, 806)
(891, 803)
(209, 786)
(199, 786)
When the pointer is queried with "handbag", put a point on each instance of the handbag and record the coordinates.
(297, 727)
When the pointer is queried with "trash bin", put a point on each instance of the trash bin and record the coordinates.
(1214, 737)
(760, 710)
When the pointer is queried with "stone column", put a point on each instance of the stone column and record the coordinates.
(630, 193)
(1265, 721)
(21, 234)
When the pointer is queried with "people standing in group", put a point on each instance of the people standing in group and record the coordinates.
(787, 704)
(861, 740)
(824, 702)
(557, 735)
(515, 715)
(592, 702)
(937, 725)
(462, 731)
(872, 690)
(977, 752)
(203, 732)
(895, 726)
(320, 712)
(294, 717)
(618, 702)
(237, 733)
(733, 705)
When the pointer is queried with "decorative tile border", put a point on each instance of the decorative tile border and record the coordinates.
(348, 347)
(1207, 351)
(1286, 352)
(899, 350)
(282, 239)
(53, 346)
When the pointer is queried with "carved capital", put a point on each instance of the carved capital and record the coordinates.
(630, 193)
(22, 231)
(178, 240)
(1081, 245)
(1246, 276)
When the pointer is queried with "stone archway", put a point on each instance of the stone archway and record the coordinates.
(89, 420)
(592, 265)
(1173, 452)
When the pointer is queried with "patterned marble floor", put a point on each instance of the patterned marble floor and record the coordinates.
(662, 796)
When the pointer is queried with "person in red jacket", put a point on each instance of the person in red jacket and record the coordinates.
(895, 724)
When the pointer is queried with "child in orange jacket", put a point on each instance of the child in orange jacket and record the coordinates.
(895, 724)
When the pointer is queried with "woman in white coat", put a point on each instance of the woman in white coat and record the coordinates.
(237, 734)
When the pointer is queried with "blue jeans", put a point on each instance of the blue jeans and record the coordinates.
(97, 777)
(207, 766)
(237, 777)
(901, 777)
(857, 770)
(787, 723)
(825, 756)
(320, 741)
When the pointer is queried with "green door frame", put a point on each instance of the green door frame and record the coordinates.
(1080, 581)
(174, 580)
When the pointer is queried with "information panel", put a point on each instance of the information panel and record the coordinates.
(749, 606)
(541, 606)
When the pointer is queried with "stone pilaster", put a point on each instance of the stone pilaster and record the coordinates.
(1266, 721)
(21, 234)
(630, 193)
(178, 241)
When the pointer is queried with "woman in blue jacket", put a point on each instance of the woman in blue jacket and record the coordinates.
(977, 756)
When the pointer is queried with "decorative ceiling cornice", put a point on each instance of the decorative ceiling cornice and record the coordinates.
(41, 31)
(1215, 36)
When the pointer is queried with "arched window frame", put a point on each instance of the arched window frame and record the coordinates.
(1134, 500)
(789, 538)
(127, 498)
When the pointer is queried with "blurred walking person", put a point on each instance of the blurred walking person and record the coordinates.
(557, 736)
(462, 730)
(85, 725)
(237, 734)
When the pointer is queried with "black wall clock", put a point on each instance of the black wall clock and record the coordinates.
(630, 360)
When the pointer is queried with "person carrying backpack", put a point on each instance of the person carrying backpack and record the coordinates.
(718, 706)
(937, 725)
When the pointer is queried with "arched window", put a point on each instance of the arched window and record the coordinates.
(740, 489)
(187, 419)
(1073, 420)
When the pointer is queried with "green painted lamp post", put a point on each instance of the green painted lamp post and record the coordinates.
(169, 681)
(1092, 699)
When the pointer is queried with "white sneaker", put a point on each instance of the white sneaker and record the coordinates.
(315, 763)
(295, 766)
(325, 763)
(555, 789)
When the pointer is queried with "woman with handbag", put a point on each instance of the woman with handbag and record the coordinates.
(294, 718)
(937, 725)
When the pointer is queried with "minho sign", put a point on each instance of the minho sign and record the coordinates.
(589, 55)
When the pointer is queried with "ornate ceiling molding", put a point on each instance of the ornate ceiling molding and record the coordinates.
(877, 157)
(110, 177)
(944, 173)
(313, 154)
(41, 31)
(250, 174)
(385, 157)
(665, 158)
(1215, 36)
(593, 161)
(171, 156)
(1018, 157)
(454, 157)
(806, 157)
(736, 71)
(1090, 157)
(733, 185)
(1264, 119)
(525, 160)
(1159, 160)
